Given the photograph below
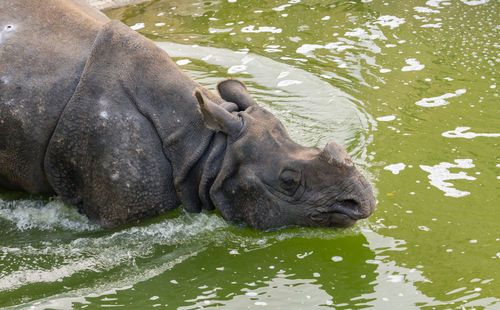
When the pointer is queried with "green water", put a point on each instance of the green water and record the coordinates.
(395, 82)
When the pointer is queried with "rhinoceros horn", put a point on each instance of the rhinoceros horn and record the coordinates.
(336, 155)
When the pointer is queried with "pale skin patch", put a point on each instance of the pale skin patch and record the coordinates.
(115, 175)
(5, 31)
(104, 114)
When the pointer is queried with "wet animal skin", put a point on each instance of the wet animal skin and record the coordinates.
(94, 112)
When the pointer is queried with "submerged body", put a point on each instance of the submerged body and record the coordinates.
(96, 113)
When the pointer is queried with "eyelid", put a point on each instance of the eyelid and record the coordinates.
(294, 197)
(293, 172)
(296, 176)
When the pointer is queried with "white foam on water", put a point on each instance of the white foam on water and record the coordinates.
(475, 2)
(217, 30)
(251, 29)
(358, 32)
(420, 18)
(438, 25)
(137, 26)
(303, 255)
(390, 21)
(439, 100)
(413, 65)
(422, 9)
(460, 132)
(387, 118)
(281, 7)
(395, 168)
(306, 49)
(367, 36)
(440, 173)
(436, 3)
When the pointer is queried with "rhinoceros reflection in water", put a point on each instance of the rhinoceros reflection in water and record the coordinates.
(96, 113)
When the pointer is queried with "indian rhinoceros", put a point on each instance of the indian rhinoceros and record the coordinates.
(99, 115)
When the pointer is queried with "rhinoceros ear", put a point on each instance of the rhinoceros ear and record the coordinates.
(235, 91)
(216, 117)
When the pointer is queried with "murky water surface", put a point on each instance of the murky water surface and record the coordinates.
(409, 87)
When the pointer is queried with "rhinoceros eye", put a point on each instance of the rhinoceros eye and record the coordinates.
(289, 180)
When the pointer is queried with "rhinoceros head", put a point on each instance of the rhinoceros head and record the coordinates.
(268, 180)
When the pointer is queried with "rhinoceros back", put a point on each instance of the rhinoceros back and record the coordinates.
(44, 45)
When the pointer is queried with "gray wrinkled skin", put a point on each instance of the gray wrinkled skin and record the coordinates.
(96, 113)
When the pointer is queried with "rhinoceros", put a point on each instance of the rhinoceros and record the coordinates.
(97, 114)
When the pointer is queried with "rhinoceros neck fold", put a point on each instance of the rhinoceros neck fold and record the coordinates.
(209, 168)
(164, 94)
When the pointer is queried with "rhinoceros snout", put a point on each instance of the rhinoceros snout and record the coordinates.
(366, 204)
(359, 207)
(366, 208)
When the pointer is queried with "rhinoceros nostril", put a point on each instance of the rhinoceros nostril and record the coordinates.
(353, 208)
(350, 204)
(358, 209)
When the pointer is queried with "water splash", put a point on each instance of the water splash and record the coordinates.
(51, 216)
(101, 253)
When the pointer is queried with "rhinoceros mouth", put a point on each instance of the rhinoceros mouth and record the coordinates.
(332, 219)
(342, 214)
